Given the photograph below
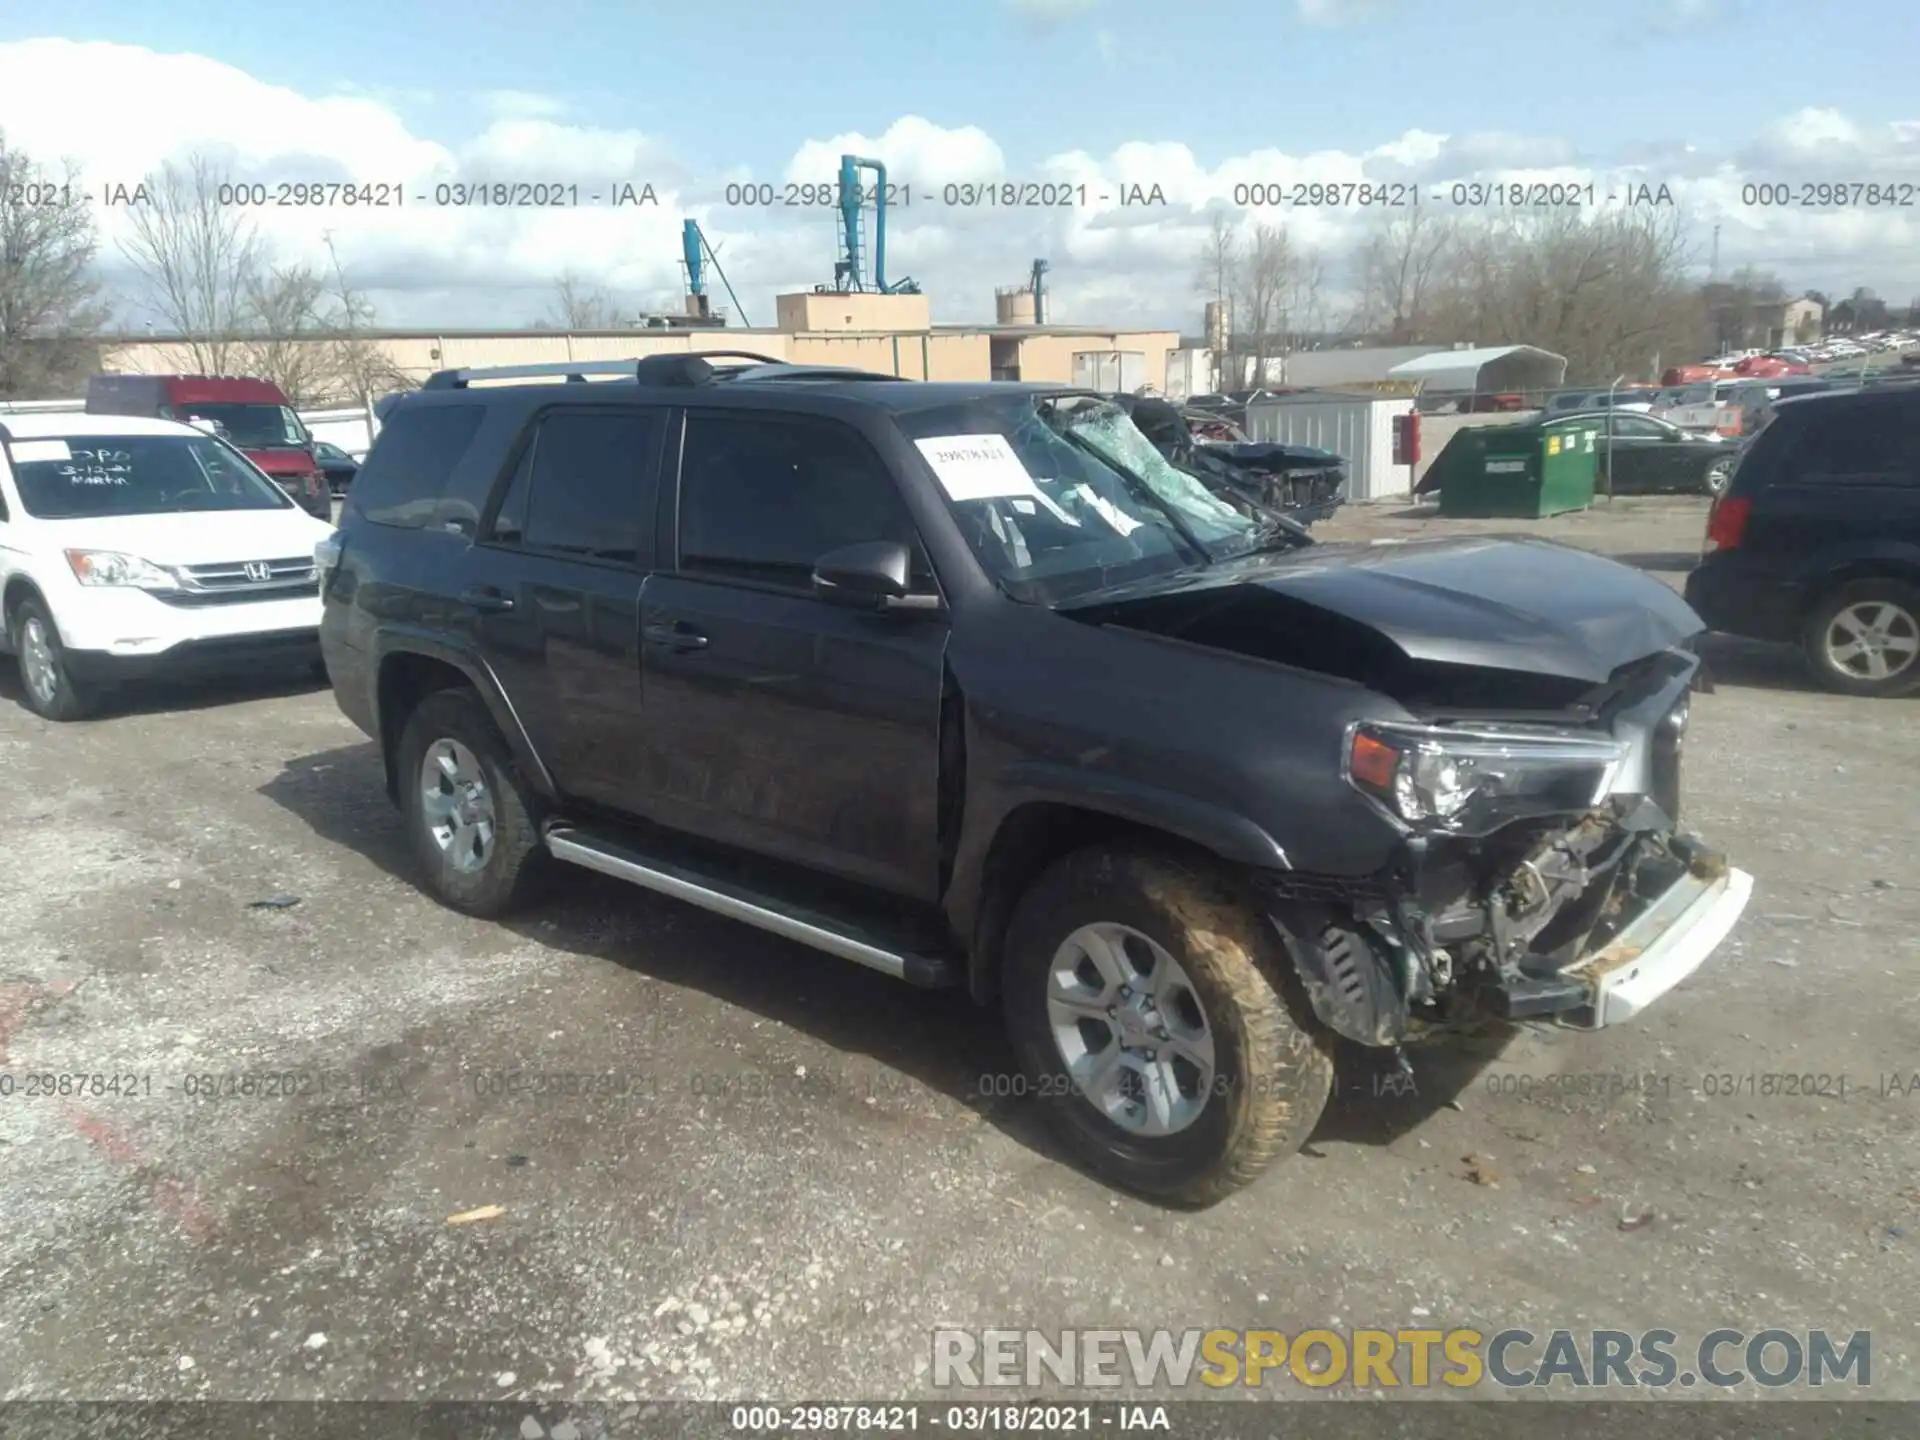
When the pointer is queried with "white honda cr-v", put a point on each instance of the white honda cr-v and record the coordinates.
(134, 548)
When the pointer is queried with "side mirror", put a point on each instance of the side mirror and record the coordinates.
(866, 575)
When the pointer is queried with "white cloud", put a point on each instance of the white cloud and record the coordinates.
(1674, 16)
(1113, 262)
(1052, 12)
(1329, 13)
(523, 105)
(911, 147)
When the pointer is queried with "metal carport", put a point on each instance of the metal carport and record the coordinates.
(1489, 370)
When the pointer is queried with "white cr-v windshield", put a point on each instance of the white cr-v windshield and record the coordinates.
(98, 475)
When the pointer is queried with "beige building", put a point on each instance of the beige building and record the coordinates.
(893, 334)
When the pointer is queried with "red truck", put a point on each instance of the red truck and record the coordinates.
(254, 416)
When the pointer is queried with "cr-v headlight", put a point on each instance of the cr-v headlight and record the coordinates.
(110, 567)
(1469, 781)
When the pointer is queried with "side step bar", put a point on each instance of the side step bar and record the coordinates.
(849, 941)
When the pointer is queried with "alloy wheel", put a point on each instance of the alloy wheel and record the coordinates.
(1130, 1029)
(457, 805)
(1872, 640)
(37, 666)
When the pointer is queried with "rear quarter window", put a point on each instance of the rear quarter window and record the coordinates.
(407, 471)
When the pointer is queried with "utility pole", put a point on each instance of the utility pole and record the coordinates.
(1713, 265)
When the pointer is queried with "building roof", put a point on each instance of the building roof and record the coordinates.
(1511, 367)
(1355, 366)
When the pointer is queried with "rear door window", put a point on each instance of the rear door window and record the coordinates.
(1872, 444)
(584, 485)
(411, 462)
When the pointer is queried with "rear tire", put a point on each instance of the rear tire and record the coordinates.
(1718, 476)
(1864, 639)
(1136, 1107)
(50, 690)
(471, 820)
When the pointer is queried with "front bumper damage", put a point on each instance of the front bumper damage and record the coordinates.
(1659, 948)
(1576, 920)
(1586, 928)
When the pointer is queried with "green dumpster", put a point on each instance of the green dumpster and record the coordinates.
(1524, 471)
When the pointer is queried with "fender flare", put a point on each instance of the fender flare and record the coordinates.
(399, 639)
(1232, 837)
(1827, 568)
(976, 914)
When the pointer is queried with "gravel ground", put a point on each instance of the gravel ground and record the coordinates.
(789, 1170)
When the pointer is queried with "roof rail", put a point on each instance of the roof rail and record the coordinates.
(758, 373)
(578, 370)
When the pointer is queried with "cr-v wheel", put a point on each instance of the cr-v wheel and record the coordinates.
(50, 690)
(1864, 638)
(1157, 1020)
(468, 818)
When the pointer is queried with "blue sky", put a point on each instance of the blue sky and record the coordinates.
(1716, 93)
(1596, 76)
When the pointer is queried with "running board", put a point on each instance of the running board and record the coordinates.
(849, 940)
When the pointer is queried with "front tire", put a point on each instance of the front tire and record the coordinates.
(1157, 1019)
(1718, 476)
(51, 691)
(1863, 638)
(469, 818)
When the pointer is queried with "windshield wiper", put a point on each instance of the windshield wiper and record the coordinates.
(1139, 487)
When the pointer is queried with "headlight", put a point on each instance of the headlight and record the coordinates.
(1470, 781)
(326, 555)
(110, 567)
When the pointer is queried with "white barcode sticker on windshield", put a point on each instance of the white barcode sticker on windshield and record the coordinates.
(25, 452)
(977, 467)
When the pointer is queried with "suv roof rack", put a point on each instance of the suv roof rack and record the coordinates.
(686, 368)
(784, 371)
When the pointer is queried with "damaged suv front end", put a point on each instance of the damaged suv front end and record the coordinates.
(1461, 757)
(1541, 873)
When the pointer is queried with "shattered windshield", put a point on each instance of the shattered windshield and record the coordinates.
(1060, 495)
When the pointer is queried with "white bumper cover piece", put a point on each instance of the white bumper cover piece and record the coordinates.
(1661, 947)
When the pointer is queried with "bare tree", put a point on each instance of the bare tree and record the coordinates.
(200, 260)
(1610, 291)
(283, 315)
(1397, 268)
(1265, 277)
(360, 366)
(50, 306)
(1736, 306)
(1216, 278)
(578, 304)
(307, 332)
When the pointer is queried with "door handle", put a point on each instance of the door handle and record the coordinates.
(678, 636)
(487, 600)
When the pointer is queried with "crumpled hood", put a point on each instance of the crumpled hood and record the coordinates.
(1264, 455)
(1521, 605)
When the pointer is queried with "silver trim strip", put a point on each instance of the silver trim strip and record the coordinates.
(732, 906)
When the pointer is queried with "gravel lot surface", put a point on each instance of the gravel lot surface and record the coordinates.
(787, 1171)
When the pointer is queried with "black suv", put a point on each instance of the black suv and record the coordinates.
(966, 683)
(1817, 539)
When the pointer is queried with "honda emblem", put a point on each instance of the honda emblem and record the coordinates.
(258, 570)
